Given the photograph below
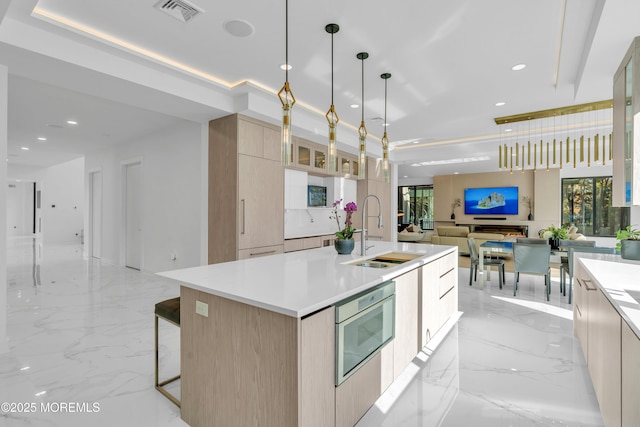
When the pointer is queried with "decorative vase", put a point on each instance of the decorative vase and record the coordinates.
(555, 243)
(630, 249)
(530, 217)
(344, 246)
(453, 216)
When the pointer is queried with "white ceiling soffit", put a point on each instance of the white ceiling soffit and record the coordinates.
(181, 10)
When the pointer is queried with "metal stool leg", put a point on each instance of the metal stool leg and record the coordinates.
(160, 385)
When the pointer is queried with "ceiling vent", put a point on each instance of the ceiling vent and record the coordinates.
(182, 10)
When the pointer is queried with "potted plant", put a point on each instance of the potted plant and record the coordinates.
(629, 243)
(344, 242)
(456, 203)
(554, 235)
(528, 203)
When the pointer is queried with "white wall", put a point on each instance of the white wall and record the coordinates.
(20, 208)
(62, 202)
(4, 111)
(172, 197)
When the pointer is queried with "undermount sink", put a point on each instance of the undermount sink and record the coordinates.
(387, 260)
(371, 264)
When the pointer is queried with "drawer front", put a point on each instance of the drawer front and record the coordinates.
(312, 242)
(447, 283)
(258, 252)
(292, 245)
(447, 263)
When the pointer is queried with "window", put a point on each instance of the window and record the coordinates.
(415, 206)
(586, 203)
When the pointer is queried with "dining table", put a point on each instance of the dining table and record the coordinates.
(506, 247)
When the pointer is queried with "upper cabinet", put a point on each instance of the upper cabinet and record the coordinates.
(313, 158)
(626, 129)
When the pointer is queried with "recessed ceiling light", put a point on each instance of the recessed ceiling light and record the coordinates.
(415, 142)
(24, 148)
(500, 104)
(72, 122)
(519, 67)
(42, 138)
(285, 67)
(456, 173)
(508, 130)
(406, 176)
(238, 28)
(354, 106)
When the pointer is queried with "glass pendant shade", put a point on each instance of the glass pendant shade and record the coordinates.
(362, 155)
(385, 156)
(287, 99)
(332, 119)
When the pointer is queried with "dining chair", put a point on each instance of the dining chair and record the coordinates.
(532, 241)
(475, 262)
(531, 258)
(569, 269)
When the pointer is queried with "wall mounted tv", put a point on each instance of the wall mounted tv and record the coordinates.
(491, 201)
(316, 196)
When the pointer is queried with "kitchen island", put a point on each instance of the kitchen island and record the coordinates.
(258, 336)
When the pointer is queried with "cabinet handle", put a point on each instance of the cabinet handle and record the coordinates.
(243, 215)
(589, 288)
(262, 253)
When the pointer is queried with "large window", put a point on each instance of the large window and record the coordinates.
(415, 206)
(586, 203)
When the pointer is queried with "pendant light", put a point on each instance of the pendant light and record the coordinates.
(286, 98)
(362, 130)
(385, 140)
(332, 116)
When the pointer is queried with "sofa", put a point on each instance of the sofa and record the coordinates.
(458, 235)
(411, 233)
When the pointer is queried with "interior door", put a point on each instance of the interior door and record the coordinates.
(95, 214)
(133, 225)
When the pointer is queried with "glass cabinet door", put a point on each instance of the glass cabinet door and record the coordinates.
(304, 155)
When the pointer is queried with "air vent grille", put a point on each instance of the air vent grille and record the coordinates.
(182, 10)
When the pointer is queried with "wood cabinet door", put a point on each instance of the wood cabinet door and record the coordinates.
(630, 377)
(429, 313)
(260, 202)
(406, 340)
(250, 139)
(272, 149)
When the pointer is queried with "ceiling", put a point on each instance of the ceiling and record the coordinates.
(124, 69)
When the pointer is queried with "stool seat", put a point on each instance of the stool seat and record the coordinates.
(169, 310)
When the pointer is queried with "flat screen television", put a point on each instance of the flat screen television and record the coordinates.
(316, 196)
(491, 201)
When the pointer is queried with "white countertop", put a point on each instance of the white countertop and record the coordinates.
(299, 283)
(617, 277)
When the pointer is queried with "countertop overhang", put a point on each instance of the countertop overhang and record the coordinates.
(299, 283)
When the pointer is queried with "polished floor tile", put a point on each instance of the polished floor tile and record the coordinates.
(81, 350)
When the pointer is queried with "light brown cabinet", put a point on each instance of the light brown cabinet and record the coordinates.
(244, 219)
(406, 340)
(374, 184)
(630, 377)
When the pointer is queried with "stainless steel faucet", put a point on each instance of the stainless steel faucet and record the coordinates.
(363, 238)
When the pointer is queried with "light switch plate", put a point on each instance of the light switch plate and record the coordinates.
(202, 308)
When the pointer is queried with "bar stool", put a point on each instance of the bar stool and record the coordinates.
(168, 310)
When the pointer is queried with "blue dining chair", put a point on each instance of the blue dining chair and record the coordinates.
(564, 262)
(569, 269)
(531, 258)
(475, 262)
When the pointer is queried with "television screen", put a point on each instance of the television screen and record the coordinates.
(316, 196)
(491, 201)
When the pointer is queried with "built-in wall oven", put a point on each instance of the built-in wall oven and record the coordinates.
(364, 324)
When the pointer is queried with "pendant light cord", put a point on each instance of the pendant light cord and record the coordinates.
(385, 105)
(331, 68)
(362, 60)
(286, 41)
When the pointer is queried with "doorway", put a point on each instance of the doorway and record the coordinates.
(95, 214)
(132, 214)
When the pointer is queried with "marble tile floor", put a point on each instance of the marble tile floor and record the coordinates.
(80, 332)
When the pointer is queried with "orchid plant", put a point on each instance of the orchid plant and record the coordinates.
(345, 233)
